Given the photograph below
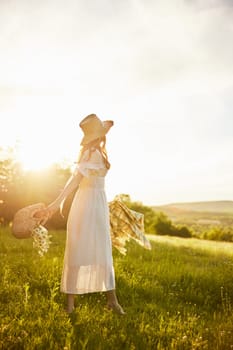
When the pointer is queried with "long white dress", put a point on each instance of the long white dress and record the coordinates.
(88, 264)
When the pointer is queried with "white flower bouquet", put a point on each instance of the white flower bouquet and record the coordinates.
(41, 239)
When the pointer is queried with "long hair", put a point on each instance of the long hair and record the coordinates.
(99, 144)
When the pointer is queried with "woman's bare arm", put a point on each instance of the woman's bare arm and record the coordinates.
(70, 186)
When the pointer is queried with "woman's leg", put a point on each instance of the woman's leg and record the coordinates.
(112, 302)
(70, 303)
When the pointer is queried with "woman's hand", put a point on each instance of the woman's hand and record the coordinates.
(42, 216)
(45, 214)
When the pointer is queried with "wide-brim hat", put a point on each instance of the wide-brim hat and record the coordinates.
(24, 220)
(93, 128)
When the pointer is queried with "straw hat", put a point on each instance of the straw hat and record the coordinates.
(24, 220)
(93, 128)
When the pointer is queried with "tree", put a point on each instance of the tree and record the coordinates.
(10, 178)
(163, 225)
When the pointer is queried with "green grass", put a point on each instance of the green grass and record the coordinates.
(177, 296)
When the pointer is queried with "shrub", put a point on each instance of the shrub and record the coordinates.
(219, 234)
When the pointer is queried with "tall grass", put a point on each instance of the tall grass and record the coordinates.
(177, 296)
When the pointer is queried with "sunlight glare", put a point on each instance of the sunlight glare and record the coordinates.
(33, 159)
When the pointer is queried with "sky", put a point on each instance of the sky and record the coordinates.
(162, 70)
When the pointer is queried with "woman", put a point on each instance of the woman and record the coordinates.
(88, 264)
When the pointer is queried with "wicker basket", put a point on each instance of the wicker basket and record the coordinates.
(24, 221)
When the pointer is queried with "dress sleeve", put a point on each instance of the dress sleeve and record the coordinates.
(91, 163)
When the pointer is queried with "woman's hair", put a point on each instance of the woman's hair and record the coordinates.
(92, 146)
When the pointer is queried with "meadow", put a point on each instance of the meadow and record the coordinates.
(177, 296)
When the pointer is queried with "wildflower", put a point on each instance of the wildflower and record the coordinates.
(41, 239)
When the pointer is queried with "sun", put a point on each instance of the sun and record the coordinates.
(38, 154)
(35, 156)
(31, 163)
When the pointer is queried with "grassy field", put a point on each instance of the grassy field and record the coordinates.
(177, 296)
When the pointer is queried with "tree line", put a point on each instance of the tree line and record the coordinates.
(19, 189)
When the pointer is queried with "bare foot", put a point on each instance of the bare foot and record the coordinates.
(116, 308)
(69, 310)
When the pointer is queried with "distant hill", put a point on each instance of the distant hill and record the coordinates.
(201, 213)
(207, 207)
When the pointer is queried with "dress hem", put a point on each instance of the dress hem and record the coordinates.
(87, 291)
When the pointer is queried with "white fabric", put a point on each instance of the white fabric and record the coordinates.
(88, 263)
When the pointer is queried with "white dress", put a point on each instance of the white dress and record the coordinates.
(88, 264)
